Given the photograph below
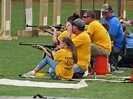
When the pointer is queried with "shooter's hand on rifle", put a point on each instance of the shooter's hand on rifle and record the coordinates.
(53, 29)
(63, 28)
(41, 47)
(45, 50)
(57, 47)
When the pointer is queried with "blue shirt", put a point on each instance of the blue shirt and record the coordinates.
(115, 29)
(129, 41)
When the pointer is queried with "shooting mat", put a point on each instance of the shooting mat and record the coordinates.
(27, 83)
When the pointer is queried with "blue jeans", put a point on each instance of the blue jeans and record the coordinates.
(51, 63)
(52, 73)
(78, 69)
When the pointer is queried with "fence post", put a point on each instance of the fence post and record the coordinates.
(122, 9)
(44, 12)
(28, 13)
(56, 12)
(77, 6)
(6, 19)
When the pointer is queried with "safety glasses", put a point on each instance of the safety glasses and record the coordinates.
(85, 16)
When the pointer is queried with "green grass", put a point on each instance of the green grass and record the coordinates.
(102, 92)
(67, 9)
(16, 59)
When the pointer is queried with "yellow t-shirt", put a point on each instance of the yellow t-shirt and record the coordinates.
(100, 36)
(65, 66)
(63, 34)
(83, 45)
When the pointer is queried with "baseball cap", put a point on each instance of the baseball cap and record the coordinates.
(106, 7)
(79, 23)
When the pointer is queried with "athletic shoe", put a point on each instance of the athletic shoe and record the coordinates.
(29, 74)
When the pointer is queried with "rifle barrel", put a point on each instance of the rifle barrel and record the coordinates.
(36, 45)
(25, 44)
(31, 25)
(46, 26)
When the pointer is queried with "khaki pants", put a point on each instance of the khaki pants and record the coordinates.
(95, 50)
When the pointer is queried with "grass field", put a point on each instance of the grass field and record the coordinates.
(16, 59)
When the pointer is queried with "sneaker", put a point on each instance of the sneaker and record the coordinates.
(29, 74)
(58, 78)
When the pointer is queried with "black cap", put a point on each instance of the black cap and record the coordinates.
(79, 23)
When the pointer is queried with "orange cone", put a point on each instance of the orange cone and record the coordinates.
(100, 65)
(131, 77)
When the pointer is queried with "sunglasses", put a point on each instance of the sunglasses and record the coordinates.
(85, 16)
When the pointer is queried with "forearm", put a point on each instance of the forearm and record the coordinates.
(69, 29)
(47, 52)
(127, 23)
(54, 38)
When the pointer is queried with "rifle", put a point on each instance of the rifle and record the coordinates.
(45, 26)
(37, 45)
(58, 27)
(40, 28)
